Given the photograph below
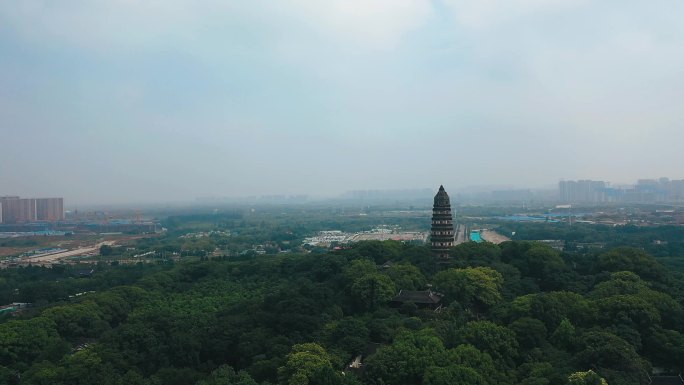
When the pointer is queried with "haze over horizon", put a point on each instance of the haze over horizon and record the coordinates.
(169, 100)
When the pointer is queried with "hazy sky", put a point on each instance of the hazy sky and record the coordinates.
(123, 100)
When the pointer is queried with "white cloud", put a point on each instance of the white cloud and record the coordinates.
(95, 25)
(112, 24)
(306, 83)
(480, 14)
(374, 23)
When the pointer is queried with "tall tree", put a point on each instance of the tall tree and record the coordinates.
(372, 290)
(478, 287)
(586, 378)
(304, 363)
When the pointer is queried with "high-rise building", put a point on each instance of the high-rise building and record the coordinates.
(584, 191)
(14, 209)
(442, 231)
(50, 209)
(10, 208)
(677, 190)
(27, 210)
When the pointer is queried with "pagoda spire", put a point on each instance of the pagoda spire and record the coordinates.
(442, 231)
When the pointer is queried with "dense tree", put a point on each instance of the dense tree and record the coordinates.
(307, 364)
(552, 307)
(83, 319)
(620, 283)
(226, 375)
(628, 310)
(372, 290)
(477, 287)
(625, 283)
(469, 356)
(452, 374)
(42, 373)
(545, 265)
(564, 336)
(498, 341)
(665, 348)
(630, 259)
(406, 277)
(529, 332)
(406, 359)
(22, 342)
(106, 250)
(586, 378)
(358, 268)
(475, 254)
(379, 251)
(513, 314)
(348, 334)
(616, 359)
(537, 373)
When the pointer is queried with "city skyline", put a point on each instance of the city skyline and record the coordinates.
(550, 192)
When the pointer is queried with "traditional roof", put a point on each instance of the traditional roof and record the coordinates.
(426, 296)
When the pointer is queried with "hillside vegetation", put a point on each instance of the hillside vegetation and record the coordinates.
(517, 313)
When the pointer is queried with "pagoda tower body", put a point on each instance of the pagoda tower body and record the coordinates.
(442, 231)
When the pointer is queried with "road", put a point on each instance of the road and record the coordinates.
(461, 235)
(66, 254)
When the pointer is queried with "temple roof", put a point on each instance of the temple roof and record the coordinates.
(427, 296)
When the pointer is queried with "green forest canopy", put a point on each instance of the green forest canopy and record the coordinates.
(517, 313)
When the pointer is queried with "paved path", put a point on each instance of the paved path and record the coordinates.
(460, 235)
(66, 254)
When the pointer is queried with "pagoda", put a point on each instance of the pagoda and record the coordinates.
(442, 231)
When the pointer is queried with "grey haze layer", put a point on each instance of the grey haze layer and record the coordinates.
(118, 101)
